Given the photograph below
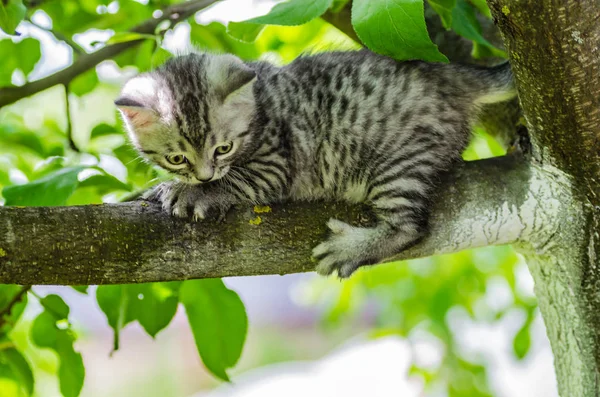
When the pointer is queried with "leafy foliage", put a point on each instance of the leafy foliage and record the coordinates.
(152, 305)
(215, 313)
(38, 167)
(12, 13)
(401, 31)
(51, 329)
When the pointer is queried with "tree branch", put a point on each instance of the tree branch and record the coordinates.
(480, 205)
(175, 14)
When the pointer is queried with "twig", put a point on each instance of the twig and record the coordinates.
(174, 14)
(72, 144)
(16, 299)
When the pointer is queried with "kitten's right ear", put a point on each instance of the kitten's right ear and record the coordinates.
(135, 104)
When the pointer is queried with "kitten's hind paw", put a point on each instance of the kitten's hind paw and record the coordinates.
(344, 251)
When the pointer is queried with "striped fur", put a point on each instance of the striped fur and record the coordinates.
(351, 126)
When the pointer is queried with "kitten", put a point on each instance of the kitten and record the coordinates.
(352, 126)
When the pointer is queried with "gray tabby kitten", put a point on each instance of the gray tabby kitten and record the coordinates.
(352, 126)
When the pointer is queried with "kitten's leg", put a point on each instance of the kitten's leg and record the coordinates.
(350, 247)
(400, 194)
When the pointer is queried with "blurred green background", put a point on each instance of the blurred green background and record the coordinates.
(461, 325)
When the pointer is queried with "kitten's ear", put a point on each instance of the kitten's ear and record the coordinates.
(135, 103)
(238, 75)
(229, 73)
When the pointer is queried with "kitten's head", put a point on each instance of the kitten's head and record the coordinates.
(191, 115)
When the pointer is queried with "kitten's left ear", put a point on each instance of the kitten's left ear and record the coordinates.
(238, 75)
(229, 73)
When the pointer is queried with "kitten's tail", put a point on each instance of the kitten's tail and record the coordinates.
(497, 84)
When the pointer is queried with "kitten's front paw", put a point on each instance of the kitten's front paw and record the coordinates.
(343, 251)
(181, 200)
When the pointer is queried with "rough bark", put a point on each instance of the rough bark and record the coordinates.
(554, 47)
(483, 203)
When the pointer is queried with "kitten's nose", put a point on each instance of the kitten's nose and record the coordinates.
(205, 174)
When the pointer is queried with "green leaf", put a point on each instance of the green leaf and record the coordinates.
(14, 366)
(112, 300)
(84, 83)
(7, 293)
(444, 9)
(81, 288)
(293, 12)
(29, 54)
(55, 305)
(218, 321)
(153, 305)
(105, 183)
(159, 56)
(483, 8)
(244, 31)
(12, 13)
(51, 190)
(465, 23)
(50, 164)
(213, 37)
(123, 37)
(51, 330)
(522, 341)
(104, 129)
(22, 55)
(395, 28)
(18, 135)
(289, 13)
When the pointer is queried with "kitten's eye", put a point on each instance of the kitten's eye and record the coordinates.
(225, 148)
(176, 159)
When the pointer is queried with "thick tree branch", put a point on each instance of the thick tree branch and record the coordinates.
(174, 14)
(482, 203)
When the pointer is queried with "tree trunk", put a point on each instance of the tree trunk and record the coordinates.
(554, 48)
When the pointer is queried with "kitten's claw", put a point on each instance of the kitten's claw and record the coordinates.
(181, 201)
(199, 213)
(342, 251)
(337, 226)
